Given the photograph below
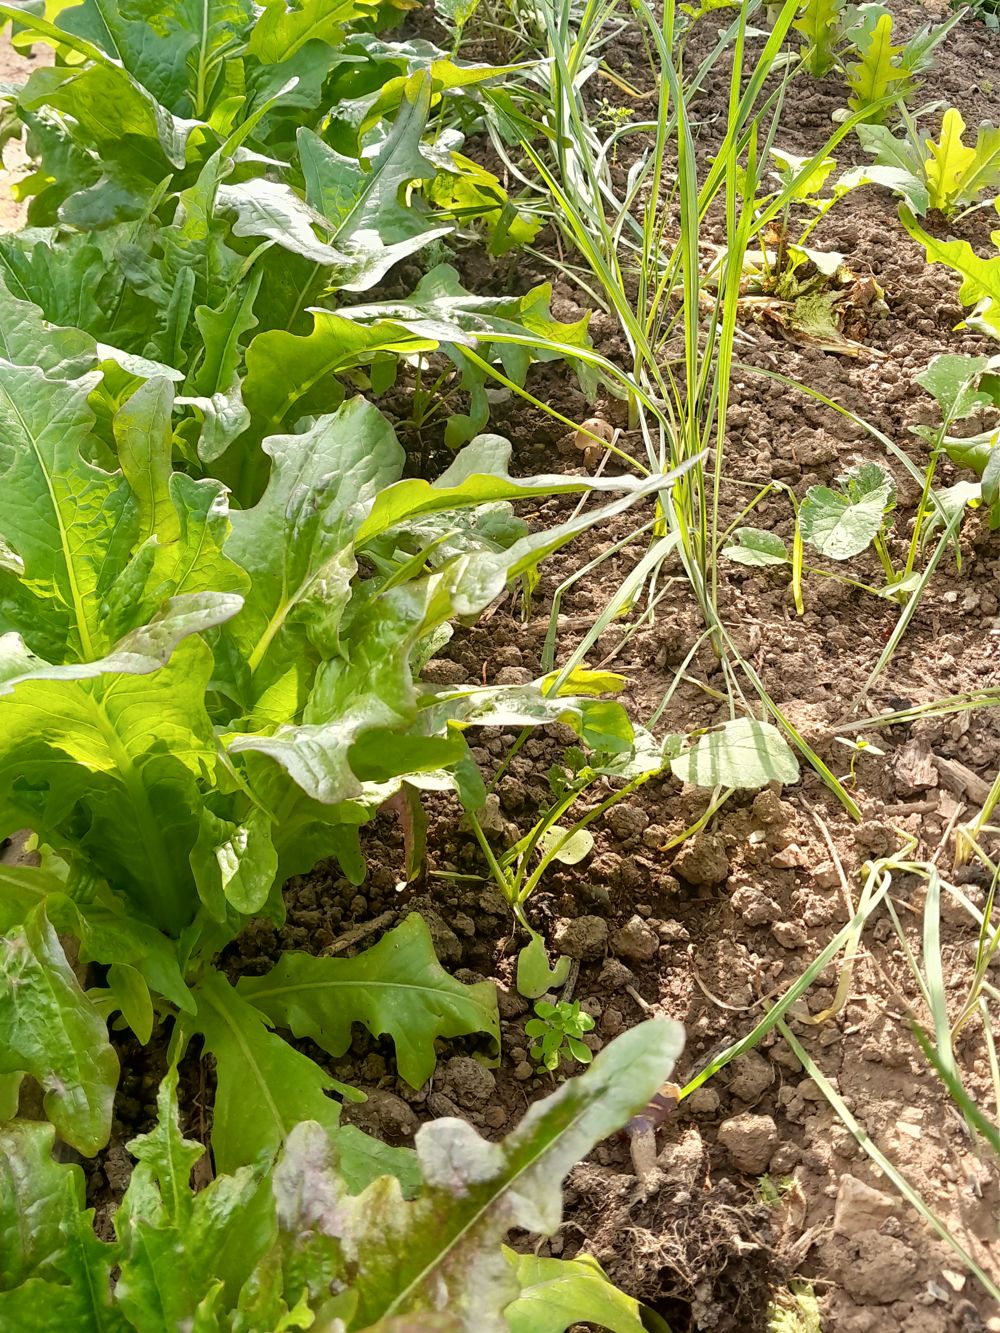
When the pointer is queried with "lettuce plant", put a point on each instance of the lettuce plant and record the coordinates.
(980, 274)
(858, 39)
(197, 702)
(205, 194)
(217, 593)
(293, 1244)
(946, 174)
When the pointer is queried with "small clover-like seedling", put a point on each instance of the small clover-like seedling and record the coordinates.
(857, 747)
(558, 1030)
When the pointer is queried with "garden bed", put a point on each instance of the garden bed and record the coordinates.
(760, 1194)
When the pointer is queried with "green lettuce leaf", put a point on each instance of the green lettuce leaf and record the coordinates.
(282, 31)
(129, 751)
(441, 1251)
(511, 331)
(175, 50)
(397, 988)
(555, 1293)
(265, 1087)
(296, 544)
(50, 1030)
(181, 1248)
(54, 1272)
(980, 277)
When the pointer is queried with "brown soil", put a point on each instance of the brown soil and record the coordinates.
(738, 913)
(14, 69)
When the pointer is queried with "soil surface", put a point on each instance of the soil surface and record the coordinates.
(707, 934)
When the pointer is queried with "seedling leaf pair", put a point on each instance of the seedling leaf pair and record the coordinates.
(841, 524)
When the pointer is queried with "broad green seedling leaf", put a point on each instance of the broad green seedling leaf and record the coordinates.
(954, 175)
(570, 848)
(755, 547)
(949, 162)
(980, 277)
(953, 383)
(898, 166)
(841, 524)
(534, 976)
(819, 24)
(556, 1292)
(743, 753)
(811, 183)
(458, 12)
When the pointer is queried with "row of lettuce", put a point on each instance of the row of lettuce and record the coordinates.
(217, 591)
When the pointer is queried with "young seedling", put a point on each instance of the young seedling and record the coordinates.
(838, 523)
(857, 39)
(820, 22)
(518, 871)
(857, 748)
(559, 1030)
(962, 386)
(740, 753)
(783, 249)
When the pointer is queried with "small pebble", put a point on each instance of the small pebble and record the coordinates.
(637, 940)
(703, 1101)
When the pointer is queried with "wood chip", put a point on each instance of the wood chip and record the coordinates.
(961, 780)
(914, 768)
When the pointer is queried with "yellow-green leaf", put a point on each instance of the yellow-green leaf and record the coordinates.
(876, 74)
(950, 160)
(980, 277)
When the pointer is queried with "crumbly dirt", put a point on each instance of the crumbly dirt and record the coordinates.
(728, 921)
